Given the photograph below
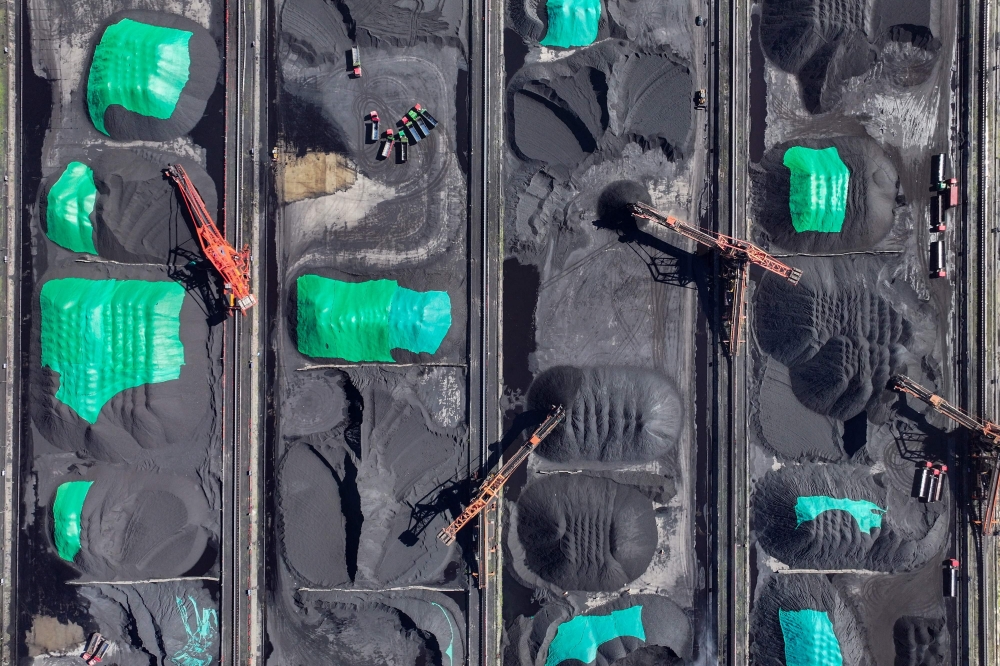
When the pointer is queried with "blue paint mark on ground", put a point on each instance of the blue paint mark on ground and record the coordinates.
(202, 628)
(451, 643)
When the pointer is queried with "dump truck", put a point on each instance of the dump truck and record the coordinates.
(414, 134)
(356, 61)
(97, 647)
(427, 115)
(387, 146)
(374, 118)
(404, 145)
(415, 117)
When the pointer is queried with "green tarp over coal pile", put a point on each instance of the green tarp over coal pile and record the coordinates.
(818, 189)
(70, 202)
(364, 321)
(140, 67)
(105, 336)
(66, 512)
(572, 22)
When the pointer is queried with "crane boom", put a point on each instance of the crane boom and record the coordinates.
(730, 247)
(232, 265)
(990, 432)
(496, 481)
(988, 429)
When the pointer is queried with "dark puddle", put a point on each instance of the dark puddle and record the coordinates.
(758, 92)
(520, 297)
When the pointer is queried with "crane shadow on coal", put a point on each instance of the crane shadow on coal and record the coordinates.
(196, 275)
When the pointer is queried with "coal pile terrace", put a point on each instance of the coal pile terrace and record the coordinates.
(121, 451)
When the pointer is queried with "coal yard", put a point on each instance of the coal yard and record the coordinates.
(527, 333)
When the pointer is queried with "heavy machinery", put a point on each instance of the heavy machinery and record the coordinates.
(740, 253)
(418, 121)
(387, 146)
(232, 265)
(431, 122)
(496, 481)
(97, 647)
(989, 432)
(356, 61)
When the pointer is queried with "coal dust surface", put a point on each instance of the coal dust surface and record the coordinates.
(612, 414)
(845, 329)
(901, 534)
(585, 533)
(873, 195)
(824, 43)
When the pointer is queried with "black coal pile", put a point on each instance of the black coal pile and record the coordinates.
(175, 622)
(584, 533)
(612, 414)
(415, 627)
(873, 194)
(376, 21)
(137, 423)
(843, 331)
(599, 100)
(796, 592)
(205, 64)
(826, 42)
(908, 535)
(669, 633)
(921, 641)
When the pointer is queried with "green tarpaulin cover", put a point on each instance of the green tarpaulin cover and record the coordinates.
(817, 197)
(580, 637)
(66, 511)
(572, 22)
(809, 638)
(139, 66)
(867, 514)
(364, 321)
(105, 336)
(69, 205)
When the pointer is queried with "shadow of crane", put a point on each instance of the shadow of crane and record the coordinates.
(199, 278)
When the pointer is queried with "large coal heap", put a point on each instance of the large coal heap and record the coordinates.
(124, 125)
(612, 414)
(872, 195)
(911, 532)
(373, 21)
(842, 331)
(585, 533)
(311, 527)
(598, 100)
(669, 633)
(793, 592)
(824, 42)
(921, 641)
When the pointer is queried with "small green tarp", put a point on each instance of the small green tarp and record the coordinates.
(105, 336)
(68, 207)
(140, 67)
(580, 637)
(817, 196)
(868, 514)
(809, 638)
(364, 321)
(66, 512)
(572, 22)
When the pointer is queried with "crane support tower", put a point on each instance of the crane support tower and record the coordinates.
(495, 482)
(740, 252)
(989, 433)
(232, 265)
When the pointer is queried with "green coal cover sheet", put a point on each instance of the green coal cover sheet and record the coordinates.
(580, 637)
(69, 205)
(105, 336)
(365, 321)
(817, 195)
(66, 512)
(809, 638)
(572, 22)
(868, 514)
(140, 67)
